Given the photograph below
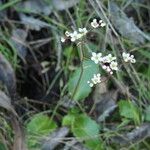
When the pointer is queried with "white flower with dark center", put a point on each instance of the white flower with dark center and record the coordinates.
(63, 39)
(94, 23)
(128, 58)
(96, 57)
(114, 65)
(83, 31)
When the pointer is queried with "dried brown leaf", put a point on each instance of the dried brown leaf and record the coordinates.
(55, 138)
(138, 134)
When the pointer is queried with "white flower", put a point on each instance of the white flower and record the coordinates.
(79, 35)
(96, 57)
(94, 23)
(95, 80)
(111, 72)
(100, 21)
(83, 31)
(73, 39)
(63, 39)
(103, 24)
(108, 69)
(74, 36)
(132, 59)
(128, 58)
(104, 67)
(108, 58)
(90, 84)
(114, 65)
(67, 33)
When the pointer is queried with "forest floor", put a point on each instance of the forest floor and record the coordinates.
(84, 89)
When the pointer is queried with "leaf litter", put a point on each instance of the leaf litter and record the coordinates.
(104, 99)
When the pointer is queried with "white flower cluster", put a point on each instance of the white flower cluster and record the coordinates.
(95, 80)
(107, 62)
(75, 35)
(96, 24)
(128, 57)
(96, 57)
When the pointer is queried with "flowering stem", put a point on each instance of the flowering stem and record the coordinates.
(80, 51)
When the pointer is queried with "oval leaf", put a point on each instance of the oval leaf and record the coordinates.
(129, 110)
(41, 125)
(86, 129)
(83, 90)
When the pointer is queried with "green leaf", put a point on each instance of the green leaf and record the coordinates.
(124, 122)
(147, 114)
(83, 90)
(41, 125)
(84, 128)
(68, 120)
(129, 110)
(2, 146)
